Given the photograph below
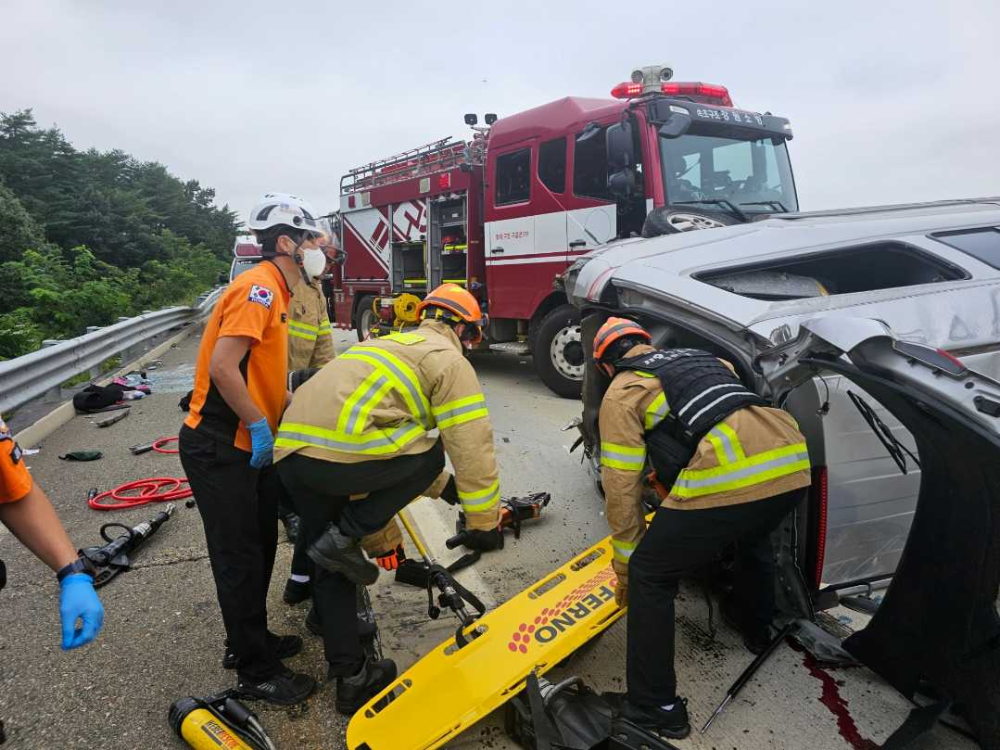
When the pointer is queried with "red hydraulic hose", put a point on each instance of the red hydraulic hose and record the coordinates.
(158, 445)
(141, 492)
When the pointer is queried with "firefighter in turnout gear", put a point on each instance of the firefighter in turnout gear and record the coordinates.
(727, 469)
(354, 448)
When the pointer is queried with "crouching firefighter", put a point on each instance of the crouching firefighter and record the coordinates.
(727, 469)
(361, 426)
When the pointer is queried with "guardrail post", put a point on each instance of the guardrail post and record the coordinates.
(95, 371)
(56, 390)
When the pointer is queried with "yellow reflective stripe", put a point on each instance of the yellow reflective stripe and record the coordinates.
(460, 411)
(401, 375)
(301, 325)
(478, 501)
(732, 441)
(644, 374)
(352, 405)
(656, 412)
(750, 471)
(404, 338)
(374, 442)
(373, 400)
(298, 335)
(624, 457)
(623, 550)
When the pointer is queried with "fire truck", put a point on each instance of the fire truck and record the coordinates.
(505, 212)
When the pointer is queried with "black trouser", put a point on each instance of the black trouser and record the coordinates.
(677, 543)
(301, 564)
(239, 510)
(322, 492)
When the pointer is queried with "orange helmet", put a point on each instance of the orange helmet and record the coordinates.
(462, 306)
(612, 330)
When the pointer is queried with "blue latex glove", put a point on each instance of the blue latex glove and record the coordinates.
(79, 601)
(262, 443)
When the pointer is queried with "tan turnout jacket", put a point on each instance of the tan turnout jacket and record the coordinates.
(389, 397)
(754, 453)
(310, 343)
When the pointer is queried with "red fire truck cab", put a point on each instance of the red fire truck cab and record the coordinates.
(505, 213)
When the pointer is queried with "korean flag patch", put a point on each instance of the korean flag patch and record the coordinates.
(261, 295)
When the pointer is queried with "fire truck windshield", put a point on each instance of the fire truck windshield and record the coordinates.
(752, 175)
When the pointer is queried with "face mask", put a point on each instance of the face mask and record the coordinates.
(313, 261)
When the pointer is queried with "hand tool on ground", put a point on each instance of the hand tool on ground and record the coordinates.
(158, 445)
(750, 671)
(451, 594)
(112, 558)
(513, 512)
(454, 686)
(218, 721)
(108, 421)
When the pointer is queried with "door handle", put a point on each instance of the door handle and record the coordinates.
(578, 243)
(496, 250)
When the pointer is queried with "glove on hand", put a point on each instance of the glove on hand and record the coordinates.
(392, 559)
(450, 492)
(79, 601)
(262, 443)
(483, 541)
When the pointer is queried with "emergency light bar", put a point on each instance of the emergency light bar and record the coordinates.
(706, 93)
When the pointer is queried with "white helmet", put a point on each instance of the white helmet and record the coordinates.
(284, 209)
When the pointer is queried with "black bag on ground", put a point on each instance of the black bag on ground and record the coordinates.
(571, 716)
(94, 398)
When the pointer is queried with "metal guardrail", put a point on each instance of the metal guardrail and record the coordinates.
(30, 376)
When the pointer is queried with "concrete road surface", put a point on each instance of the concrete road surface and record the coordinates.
(163, 633)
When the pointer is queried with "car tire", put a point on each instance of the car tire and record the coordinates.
(677, 219)
(364, 318)
(558, 352)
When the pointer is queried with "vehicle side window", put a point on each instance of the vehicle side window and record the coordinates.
(590, 165)
(552, 165)
(513, 178)
(981, 244)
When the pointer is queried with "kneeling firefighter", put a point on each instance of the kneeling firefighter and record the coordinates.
(727, 469)
(360, 427)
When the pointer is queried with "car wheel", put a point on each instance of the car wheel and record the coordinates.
(364, 317)
(558, 351)
(675, 219)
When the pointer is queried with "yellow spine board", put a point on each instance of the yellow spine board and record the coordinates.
(450, 689)
(202, 731)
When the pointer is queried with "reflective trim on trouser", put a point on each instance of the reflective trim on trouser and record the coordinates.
(479, 501)
(623, 550)
(624, 457)
(460, 411)
(725, 441)
(656, 412)
(374, 442)
(402, 377)
(746, 473)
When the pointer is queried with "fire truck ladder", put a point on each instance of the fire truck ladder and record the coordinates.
(435, 156)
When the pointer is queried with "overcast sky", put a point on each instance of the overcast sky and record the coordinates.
(889, 101)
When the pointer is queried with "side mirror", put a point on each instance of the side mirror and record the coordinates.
(618, 141)
(621, 184)
(675, 126)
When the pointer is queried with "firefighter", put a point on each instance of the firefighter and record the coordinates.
(360, 427)
(727, 469)
(28, 514)
(227, 442)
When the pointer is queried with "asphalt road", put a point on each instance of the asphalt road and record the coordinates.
(163, 634)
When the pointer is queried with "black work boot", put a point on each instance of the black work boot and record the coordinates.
(284, 688)
(755, 637)
(296, 591)
(283, 647)
(672, 724)
(373, 678)
(341, 554)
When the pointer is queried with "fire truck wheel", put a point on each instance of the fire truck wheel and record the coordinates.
(558, 351)
(675, 219)
(364, 318)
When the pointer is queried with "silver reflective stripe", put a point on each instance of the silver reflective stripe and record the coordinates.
(727, 444)
(360, 403)
(406, 378)
(638, 459)
(744, 473)
(474, 406)
(375, 441)
(702, 395)
(719, 400)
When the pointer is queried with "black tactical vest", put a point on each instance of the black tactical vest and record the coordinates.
(700, 391)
